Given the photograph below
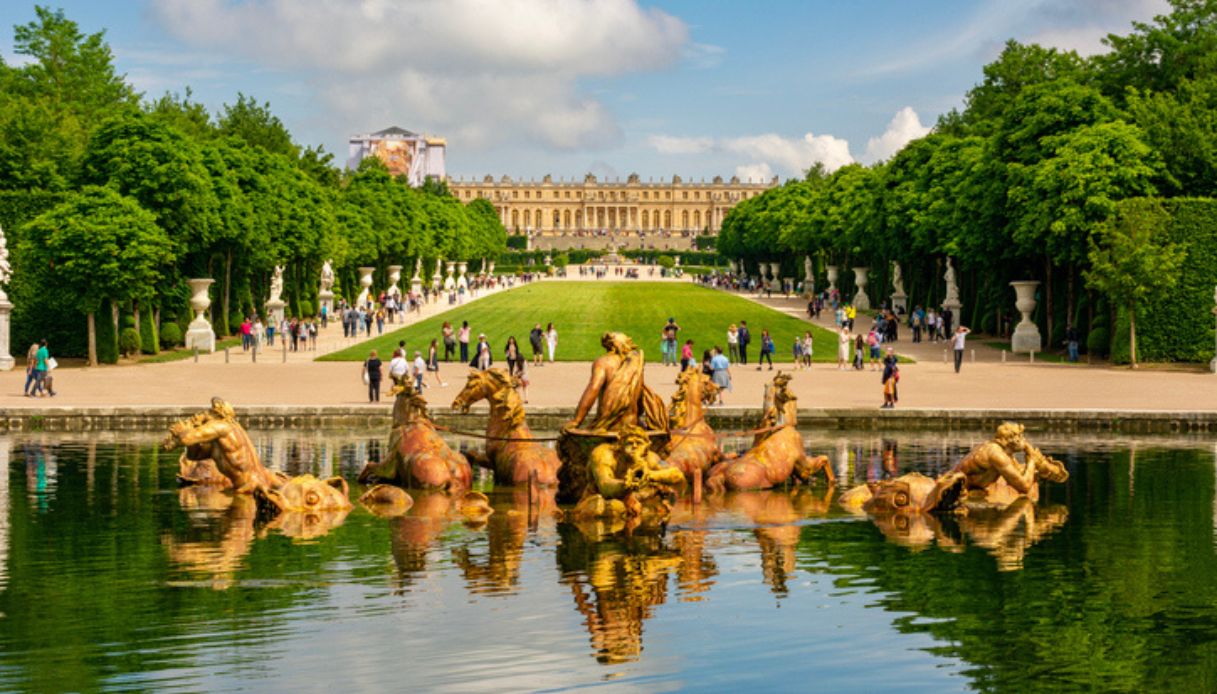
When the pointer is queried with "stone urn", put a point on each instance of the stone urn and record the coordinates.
(462, 279)
(199, 333)
(775, 270)
(831, 271)
(1026, 336)
(394, 278)
(490, 270)
(861, 300)
(365, 283)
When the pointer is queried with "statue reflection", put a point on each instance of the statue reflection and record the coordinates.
(497, 570)
(616, 582)
(223, 527)
(412, 534)
(777, 515)
(220, 535)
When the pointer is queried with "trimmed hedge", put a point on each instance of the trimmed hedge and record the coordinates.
(1177, 325)
(148, 342)
(171, 335)
(128, 342)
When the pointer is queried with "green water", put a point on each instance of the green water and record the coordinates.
(110, 579)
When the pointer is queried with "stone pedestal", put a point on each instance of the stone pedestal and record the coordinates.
(490, 270)
(325, 300)
(831, 271)
(275, 312)
(1026, 336)
(365, 282)
(900, 302)
(861, 300)
(6, 309)
(199, 333)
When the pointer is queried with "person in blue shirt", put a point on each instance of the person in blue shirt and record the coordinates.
(722, 372)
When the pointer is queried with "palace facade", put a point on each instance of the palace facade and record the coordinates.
(598, 214)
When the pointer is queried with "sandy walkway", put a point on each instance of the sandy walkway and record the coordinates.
(930, 383)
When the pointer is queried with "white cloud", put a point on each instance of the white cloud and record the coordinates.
(793, 155)
(904, 128)
(770, 152)
(754, 172)
(488, 71)
(1076, 25)
(667, 144)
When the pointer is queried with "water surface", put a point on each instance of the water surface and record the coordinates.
(113, 579)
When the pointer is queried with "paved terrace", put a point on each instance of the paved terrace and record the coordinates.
(929, 384)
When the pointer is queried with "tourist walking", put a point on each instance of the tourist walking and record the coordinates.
(512, 353)
(872, 343)
(246, 328)
(733, 342)
(1071, 342)
(483, 360)
(449, 337)
(551, 340)
(31, 377)
(521, 384)
(796, 353)
(686, 355)
(721, 368)
(948, 317)
(891, 375)
(957, 343)
(399, 368)
(808, 349)
(371, 376)
(256, 333)
(843, 341)
(767, 349)
(859, 352)
(419, 370)
(669, 341)
(745, 337)
(536, 338)
(433, 363)
(463, 338)
(706, 367)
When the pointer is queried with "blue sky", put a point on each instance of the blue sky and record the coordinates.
(529, 87)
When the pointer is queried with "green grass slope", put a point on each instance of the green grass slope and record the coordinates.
(583, 311)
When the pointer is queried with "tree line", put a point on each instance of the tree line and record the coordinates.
(110, 200)
(1034, 178)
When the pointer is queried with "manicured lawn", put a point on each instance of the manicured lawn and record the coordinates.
(583, 311)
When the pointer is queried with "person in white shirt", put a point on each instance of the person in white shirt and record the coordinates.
(398, 366)
(957, 342)
(420, 370)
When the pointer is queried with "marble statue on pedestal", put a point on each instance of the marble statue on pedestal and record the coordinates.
(325, 295)
(6, 307)
(274, 305)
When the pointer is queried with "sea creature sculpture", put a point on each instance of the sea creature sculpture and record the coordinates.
(510, 452)
(216, 435)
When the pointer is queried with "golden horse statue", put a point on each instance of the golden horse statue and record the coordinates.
(510, 449)
(692, 445)
(777, 450)
(418, 456)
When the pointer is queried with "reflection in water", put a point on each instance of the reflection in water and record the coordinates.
(1100, 566)
(616, 581)
(6, 444)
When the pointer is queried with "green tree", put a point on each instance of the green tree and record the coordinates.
(97, 246)
(1132, 258)
(256, 125)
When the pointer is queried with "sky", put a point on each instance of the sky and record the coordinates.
(695, 88)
